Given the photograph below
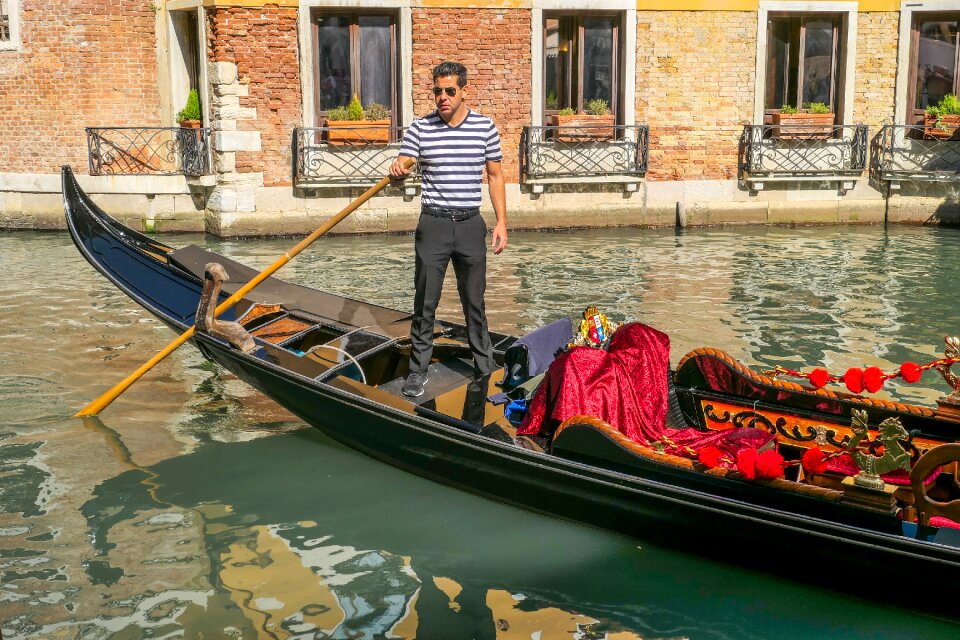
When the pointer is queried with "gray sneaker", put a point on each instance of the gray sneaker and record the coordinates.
(413, 385)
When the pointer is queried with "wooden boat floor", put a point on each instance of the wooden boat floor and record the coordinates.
(337, 309)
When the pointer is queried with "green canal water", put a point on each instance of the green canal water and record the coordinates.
(196, 508)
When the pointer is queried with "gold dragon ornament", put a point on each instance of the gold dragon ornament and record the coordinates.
(595, 329)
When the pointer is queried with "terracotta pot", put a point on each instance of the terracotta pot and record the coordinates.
(940, 128)
(802, 126)
(594, 127)
(358, 132)
(191, 124)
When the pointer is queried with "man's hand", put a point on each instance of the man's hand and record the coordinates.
(399, 170)
(499, 241)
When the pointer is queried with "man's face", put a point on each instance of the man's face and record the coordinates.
(448, 104)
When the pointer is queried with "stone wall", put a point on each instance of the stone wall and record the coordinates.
(874, 91)
(81, 64)
(262, 43)
(494, 44)
(695, 87)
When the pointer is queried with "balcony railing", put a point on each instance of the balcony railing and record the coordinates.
(160, 151)
(905, 152)
(4, 28)
(331, 156)
(556, 153)
(802, 152)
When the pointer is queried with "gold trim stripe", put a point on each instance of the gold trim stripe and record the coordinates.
(749, 5)
(250, 4)
(642, 5)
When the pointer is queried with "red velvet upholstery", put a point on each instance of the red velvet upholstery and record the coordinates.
(625, 386)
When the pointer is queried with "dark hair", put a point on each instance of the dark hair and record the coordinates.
(448, 68)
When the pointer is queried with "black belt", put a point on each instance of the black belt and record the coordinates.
(457, 215)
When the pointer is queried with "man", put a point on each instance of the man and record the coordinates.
(453, 145)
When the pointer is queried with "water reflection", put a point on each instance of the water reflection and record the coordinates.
(197, 508)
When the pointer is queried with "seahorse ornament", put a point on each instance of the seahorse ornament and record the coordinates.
(894, 456)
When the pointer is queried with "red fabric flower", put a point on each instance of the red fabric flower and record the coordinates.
(911, 372)
(770, 464)
(710, 456)
(747, 463)
(819, 378)
(873, 379)
(814, 461)
(853, 378)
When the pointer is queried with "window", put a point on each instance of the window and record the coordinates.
(356, 55)
(4, 21)
(581, 61)
(9, 17)
(185, 57)
(803, 54)
(933, 67)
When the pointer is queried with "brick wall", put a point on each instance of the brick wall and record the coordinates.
(695, 87)
(494, 44)
(82, 63)
(262, 42)
(874, 93)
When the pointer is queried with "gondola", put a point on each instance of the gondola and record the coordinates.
(338, 364)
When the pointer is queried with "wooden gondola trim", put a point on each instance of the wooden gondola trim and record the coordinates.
(685, 463)
(793, 386)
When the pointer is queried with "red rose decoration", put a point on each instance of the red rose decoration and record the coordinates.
(710, 456)
(873, 379)
(814, 461)
(770, 464)
(819, 378)
(853, 378)
(747, 463)
(911, 372)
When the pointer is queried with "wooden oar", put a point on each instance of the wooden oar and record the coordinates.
(103, 401)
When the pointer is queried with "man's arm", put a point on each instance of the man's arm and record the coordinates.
(409, 148)
(498, 196)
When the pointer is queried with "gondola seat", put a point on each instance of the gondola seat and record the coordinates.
(532, 354)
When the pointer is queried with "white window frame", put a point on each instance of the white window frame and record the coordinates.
(849, 53)
(629, 72)
(405, 45)
(13, 44)
(176, 66)
(904, 49)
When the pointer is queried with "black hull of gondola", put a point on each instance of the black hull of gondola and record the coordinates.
(828, 544)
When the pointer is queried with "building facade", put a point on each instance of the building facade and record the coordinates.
(623, 112)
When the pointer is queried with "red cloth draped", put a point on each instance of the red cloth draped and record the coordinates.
(625, 386)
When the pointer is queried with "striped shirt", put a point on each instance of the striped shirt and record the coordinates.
(452, 158)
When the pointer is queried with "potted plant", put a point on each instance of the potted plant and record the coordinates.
(814, 121)
(593, 122)
(190, 117)
(343, 124)
(942, 120)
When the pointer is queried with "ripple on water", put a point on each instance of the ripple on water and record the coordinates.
(178, 513)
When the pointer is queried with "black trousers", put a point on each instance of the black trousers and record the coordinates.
(438, 241)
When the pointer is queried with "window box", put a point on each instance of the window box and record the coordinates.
(358, 132)
(599, 127)
(940, 128)
(802, 126)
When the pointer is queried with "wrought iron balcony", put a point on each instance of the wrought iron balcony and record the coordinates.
(582, 152)
(160, 151)
(906, 152)
(836, 153)
(344, 155)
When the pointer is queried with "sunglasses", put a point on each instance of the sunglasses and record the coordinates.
(450, 91)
